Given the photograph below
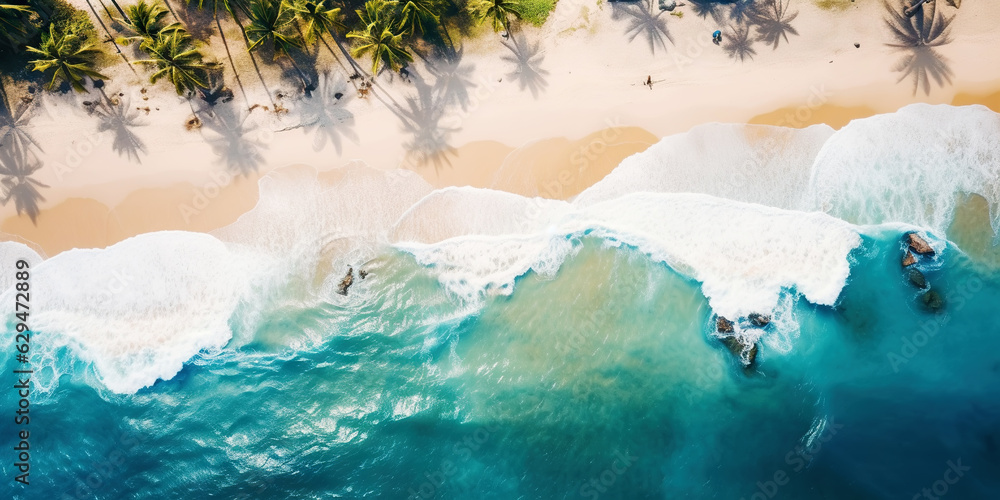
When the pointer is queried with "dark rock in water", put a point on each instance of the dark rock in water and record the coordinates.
(724, 325)
(338, 95)
(919, 245)
(759, 320)
(917, 278)
(909, 259)
(932, 300)
(346, 282)
(737, 347)
(363, 274)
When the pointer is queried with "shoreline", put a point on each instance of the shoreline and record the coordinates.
(533, 169)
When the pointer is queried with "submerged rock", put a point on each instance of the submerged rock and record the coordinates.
(737, 347)
(346, 282)
(919, 245)
(932, 300)
(363, 274)
(723, 325)
(909, 259)
(917, 278)
(759, 320)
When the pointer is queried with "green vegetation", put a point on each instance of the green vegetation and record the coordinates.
(836, 4)
(145, 23)
(176, 58)
(381, 35)
(498, 12)
(536, 11)
(389, 33)
(66, 58)
(15, 25)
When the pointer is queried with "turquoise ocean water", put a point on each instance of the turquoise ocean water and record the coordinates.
(599, 376)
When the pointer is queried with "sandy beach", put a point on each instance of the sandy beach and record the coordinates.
(545, 113)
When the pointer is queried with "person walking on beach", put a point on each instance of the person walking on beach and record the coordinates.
(649, 81)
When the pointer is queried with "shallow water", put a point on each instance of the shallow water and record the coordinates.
(567, 352)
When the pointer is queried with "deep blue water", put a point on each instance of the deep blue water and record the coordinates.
(603, 381)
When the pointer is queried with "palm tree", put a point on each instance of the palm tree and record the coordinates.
(318, 18)
(420, 15)
(145, 21)
(176, 58)
(274, 21)
(499, 12)
(381, 36)
(14, 26)
(64, 54)
(230, 6)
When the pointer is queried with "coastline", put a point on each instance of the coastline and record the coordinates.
(506, 137)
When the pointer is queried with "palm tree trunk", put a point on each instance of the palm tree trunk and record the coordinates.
(5, 109)
(171, 9)
(120, 11)
(340, 62)
(357, 68)
(232, 64)
(110, 36)
(305, 81)
(253, 60)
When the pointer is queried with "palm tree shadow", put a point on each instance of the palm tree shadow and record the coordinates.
(743, 11)
(644, 19)
(738, 43)
(17, 161)
(772, 22)
(424, 119)
(234, 142)
(528, 61)
(452, 79)
(16, 167)
(916, 37)
(200, 23)
(325, 113)
(14, 125)
(709, 8)
(119, 118)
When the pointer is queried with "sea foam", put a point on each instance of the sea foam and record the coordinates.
(744, 255)
(910, 166)
(730, 206)
(752, 163)
(139, 309)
